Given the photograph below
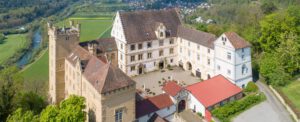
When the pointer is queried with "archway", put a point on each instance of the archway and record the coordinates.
(181, 105)
(161, 64)
(140, 69)
(189, 65)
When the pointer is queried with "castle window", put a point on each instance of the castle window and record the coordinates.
(180, 49)
(198, 47)
(189, 44)
(132, 58)
(171, 60)
(208, 61)
(243, 57)
(121, 45)
(219, 67)
(244, 69)
(149, 44)
(132, 47)
(189, 52)
(121, 56)
(198, 57)
(161, 42)
(229, 56)
(171, 50)
(228, 72)
(172, 41)
(161, 52)
(161, 34)
(149, 55)
(132, 68)
(140, 57)
(208, 50)
(67, 38)
(242, 50)
(119, 115)
(140, 46)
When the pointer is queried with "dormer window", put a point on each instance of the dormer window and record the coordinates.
(160, 31)
(161, 34)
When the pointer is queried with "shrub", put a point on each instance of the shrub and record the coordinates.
(251, 87)
(227, 111)
(199, 114)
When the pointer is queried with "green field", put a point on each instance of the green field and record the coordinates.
(11, 45)
(292, 91)
(90, 29)
(38, 70)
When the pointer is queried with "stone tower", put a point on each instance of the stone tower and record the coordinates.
(61, 42)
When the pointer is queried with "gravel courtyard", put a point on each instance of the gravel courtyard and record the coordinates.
(151, 80)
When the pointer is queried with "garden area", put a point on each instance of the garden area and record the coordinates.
(252, 97)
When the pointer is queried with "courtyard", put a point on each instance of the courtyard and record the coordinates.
(152, 82)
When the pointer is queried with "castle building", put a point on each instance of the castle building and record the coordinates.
(143, 41)
(88, 69)
(155, 39)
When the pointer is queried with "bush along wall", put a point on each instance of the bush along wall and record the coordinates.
(226, 112)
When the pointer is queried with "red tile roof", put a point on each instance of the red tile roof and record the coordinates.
(237, 41)
(152, 104)
(171, 88)
(214, 90)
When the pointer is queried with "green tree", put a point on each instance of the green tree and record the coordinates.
(215, 29)
(278, 25)
(69, 110)
(10, 85)
(31, 101)
(22, 116)
(268, 7)
(288, 54)
(251, 87)
(49, 114)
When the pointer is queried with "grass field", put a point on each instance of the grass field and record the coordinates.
(90, 29)
(292, 91)
(38, 70)
(11, 45)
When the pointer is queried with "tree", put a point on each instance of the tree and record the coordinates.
(31, 101)
(69, 110)
(268, 7)
(10, 85)
(278, 25)
(289, 54)
(22, 116)
(251, 87)
(215, 29)
(49, 114)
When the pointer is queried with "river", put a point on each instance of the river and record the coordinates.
(35, 45)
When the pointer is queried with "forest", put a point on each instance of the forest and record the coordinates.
(15, 13)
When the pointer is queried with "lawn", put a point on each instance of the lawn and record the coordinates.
(292, 91)
(38, 70)
(90, 29)
(11, 45)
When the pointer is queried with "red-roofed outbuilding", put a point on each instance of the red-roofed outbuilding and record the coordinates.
(171, 88)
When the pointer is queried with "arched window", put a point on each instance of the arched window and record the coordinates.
(244, 69)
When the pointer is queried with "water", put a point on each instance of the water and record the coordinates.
(36, 44)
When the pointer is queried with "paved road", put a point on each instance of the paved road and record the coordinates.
(270, 110)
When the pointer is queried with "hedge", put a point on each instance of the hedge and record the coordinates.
(226, 112)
